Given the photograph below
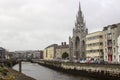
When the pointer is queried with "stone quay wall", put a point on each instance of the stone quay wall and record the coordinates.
(99, 71)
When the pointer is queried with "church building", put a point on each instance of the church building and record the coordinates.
(78, 40)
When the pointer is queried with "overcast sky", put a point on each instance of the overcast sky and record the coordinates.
(35, 24)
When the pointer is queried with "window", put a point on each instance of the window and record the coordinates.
(119, 57)
(105, 36)
(105, 43)
(113, 34)
(114, 50)
(114, 57)
(46, 53)
(114, 42)
(105, 50)
(106, 57)
(101, 36)
(101, 43)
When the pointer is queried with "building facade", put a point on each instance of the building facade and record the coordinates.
(49, 52)
(56, 51)
(41, 54)
(94, 46)
(3, 56)
(62, 50)
(118, 49)
(111, 34)
(37, 54)
(77, 41)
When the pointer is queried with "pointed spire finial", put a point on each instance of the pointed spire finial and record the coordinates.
(79, 6)
(80, 19)
(79, 11)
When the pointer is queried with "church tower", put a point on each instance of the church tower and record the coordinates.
(77, 41)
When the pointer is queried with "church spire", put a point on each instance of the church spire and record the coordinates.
(79, 6)
(77, 45)
(80, 18)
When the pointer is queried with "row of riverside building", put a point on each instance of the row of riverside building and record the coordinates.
(102, 45)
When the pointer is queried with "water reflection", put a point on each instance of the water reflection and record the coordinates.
(42, 73)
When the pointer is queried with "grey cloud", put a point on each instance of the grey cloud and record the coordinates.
(35, 24)
(100, 13)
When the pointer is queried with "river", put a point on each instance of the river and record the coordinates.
(42, 73)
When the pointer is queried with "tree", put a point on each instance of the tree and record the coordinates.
(64, 55)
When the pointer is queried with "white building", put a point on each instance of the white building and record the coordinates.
(111, 34)
(119, 49)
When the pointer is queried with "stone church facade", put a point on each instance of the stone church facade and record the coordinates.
(77, 41)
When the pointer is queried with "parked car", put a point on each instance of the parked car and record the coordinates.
(83, 61)
(101, 62)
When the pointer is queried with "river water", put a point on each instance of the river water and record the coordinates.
(42, 73)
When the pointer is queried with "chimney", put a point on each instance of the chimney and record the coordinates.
(62, 43)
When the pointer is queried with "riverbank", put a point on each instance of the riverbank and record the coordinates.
(7, 73)
(18, 75)
(10, 74)
(98, 71)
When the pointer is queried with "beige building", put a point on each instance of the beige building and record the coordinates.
(111, 33)
(56, 51)
(49, 52)
(62, 50)
(94, 45)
